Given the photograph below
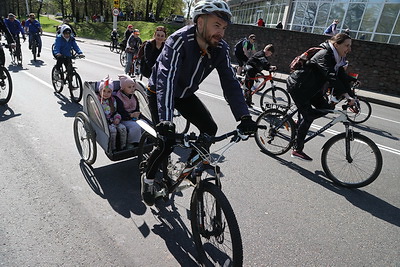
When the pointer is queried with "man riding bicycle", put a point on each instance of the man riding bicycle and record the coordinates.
(34, 29)
(15, 28)
(10, 41)
(62, 50)
(188, 57)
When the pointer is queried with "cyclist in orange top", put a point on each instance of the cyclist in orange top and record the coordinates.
(256, 64)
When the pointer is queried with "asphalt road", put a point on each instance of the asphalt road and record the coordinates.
(56, 211)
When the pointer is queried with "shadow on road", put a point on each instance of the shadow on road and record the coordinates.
(119, 183)
(66, 105)
(359, 198)
(173, 230)
(7, 113)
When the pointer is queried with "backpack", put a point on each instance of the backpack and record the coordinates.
(299, 61)
(140, 52)
(239, 45)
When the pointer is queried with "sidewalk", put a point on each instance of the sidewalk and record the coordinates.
(377, 98)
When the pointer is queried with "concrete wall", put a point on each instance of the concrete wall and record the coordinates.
(377, 64)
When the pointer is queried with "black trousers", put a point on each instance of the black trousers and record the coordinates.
(192, 109)
(308, 114)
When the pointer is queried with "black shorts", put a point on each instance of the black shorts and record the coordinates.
(242, 59)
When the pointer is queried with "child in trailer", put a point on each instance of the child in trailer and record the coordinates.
(128, 107)
(109, 104)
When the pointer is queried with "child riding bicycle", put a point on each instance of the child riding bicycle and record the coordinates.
(62, 49)
(256, 64)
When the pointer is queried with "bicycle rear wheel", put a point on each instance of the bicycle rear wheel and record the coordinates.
(215, 229)
(361, 112)
(57, 79)
(75, 88)
(363, 166)
(5, 86)
(276, 133)
(122, 58)
(112, 46)
(274, 95)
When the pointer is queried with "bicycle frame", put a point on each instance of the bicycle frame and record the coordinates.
(261, 86)
(341, 118)
(189, 141)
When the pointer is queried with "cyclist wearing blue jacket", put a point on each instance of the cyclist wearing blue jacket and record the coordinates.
(34, 29)
(15, 28)
(63, 45)
(188, 57)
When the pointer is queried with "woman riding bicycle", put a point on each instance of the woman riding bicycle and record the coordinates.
(15, 28)
(256, 64)
(306, 86)
(62, 49)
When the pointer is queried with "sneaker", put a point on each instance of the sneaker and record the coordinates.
(148, 190)
(300, 155)
(333, 99)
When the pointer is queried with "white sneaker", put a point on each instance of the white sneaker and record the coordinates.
(333, 99)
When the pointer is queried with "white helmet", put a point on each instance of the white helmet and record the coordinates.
(218, 7)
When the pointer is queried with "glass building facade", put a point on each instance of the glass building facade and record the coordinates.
(372, 20)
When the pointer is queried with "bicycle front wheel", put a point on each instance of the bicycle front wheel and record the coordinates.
(215, 229)
(34, 49)
(360, 167)
(57, 79)
(275, 134)
(75, 88)
(5, 86)
(274, 95)
(361, 112)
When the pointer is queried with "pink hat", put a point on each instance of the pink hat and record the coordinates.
(106, 83)
(125, 80)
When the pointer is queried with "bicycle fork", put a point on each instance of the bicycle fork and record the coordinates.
(348, 139)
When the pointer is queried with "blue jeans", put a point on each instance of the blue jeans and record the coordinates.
(129, 58)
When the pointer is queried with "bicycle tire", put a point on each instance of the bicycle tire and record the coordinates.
(34, 48)
(145, 148)
(181, 123)
(112, 46)
(274, 95)
(76, 88)
(218, 241)
(365, 166)
(122, 58)
(363, 114)
(85, 138)
(57, 79)
(6, 86)
(271, 139)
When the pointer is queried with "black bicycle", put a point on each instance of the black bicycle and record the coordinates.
(349, 158)
(114, 45)
(34, 45)
(15, 52)
(61, 77)
(215, 229)
(6, 85)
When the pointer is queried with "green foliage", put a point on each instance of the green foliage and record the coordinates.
(102, 30)
(48, 25)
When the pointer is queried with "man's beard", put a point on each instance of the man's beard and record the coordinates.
(211, 42)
